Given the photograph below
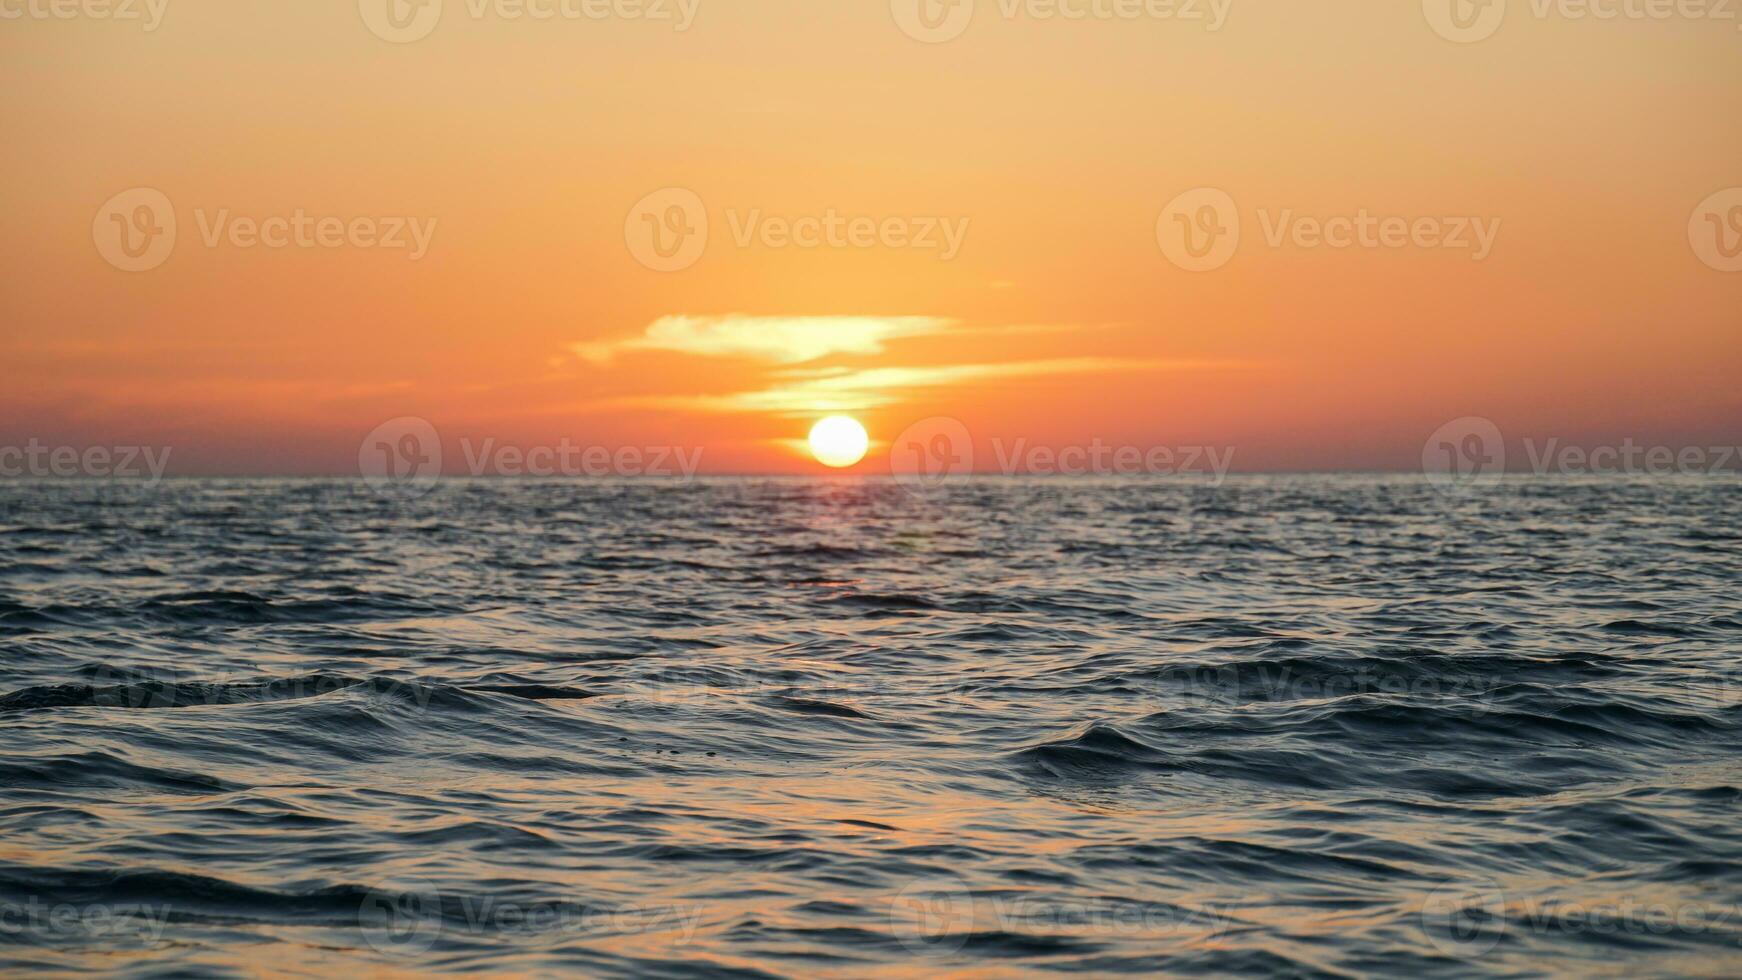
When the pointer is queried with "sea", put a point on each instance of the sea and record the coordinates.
(1277, 726)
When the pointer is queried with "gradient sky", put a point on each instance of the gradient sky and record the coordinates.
(1060, 320)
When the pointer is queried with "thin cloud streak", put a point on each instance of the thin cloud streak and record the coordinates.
(875, 387)
(776, 339)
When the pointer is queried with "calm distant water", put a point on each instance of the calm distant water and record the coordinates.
(1285, 726)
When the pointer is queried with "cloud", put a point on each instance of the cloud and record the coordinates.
(849, 391)
(796, 385)
(777, 339)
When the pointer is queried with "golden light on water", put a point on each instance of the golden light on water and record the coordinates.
(839, 441)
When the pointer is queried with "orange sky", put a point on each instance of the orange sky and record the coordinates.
(1052, 147)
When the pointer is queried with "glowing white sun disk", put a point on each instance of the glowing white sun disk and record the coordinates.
(839, 441)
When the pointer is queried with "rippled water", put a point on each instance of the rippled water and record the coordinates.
(800, 728)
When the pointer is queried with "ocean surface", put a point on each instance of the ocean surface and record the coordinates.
(1284, 726)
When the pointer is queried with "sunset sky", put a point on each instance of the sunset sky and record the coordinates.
(1050, 148)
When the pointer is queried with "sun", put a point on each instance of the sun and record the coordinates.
(839, 441)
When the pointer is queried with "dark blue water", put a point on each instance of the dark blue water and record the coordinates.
(1287, 726)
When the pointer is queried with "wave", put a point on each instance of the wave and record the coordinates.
(168, 695)
(1016, 726)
